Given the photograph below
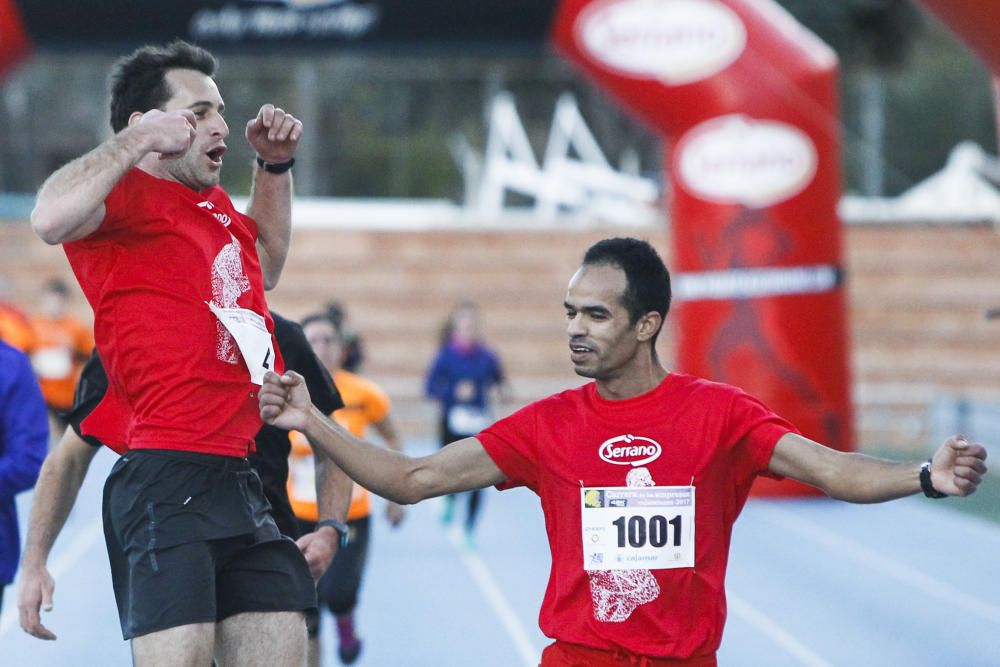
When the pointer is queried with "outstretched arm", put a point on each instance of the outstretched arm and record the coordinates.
(956, 469)
(387, 429)
(461, 466)
(70, 204)
(55, 493)
(274, 135)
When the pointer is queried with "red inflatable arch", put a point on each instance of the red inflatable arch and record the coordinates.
(746, 100)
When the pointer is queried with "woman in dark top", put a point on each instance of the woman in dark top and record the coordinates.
(463, 377)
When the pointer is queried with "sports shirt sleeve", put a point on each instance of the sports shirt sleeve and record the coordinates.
(752, 432)
(90, 389)
(115, 208)
(322, 389)
(498, 375)
(300, 358)
(24, 425)
(376, 403)
(436, 385)
(248, 222)
(511, 443)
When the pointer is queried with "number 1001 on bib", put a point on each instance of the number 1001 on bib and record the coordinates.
(637, 528)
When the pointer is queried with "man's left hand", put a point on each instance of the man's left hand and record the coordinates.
(958, 467)
(274, 134)
(319, 548)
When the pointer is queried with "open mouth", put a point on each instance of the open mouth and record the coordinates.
(579, 351)
(215, 155)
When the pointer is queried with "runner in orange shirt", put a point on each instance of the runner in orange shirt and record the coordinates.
(62, 345)
(15, 328)
(365, 404)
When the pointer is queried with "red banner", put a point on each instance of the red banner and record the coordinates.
(747, 100)
(14, 43)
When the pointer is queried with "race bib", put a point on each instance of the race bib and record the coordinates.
(637, 528)
(249, 330)
(302, 478)
(468, 419)
(52, 363)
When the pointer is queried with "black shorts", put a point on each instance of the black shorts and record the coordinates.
(191, 540)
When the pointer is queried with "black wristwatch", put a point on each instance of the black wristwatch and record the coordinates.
(925, 482)
(275, 167)
(340, 527)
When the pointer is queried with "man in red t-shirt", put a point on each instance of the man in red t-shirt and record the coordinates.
(176, 277)
(640, 473)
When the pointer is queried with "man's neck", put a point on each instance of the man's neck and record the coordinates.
(151, 164)
(635, 382)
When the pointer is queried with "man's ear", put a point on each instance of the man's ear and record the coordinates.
(648, 325)
(134, 118)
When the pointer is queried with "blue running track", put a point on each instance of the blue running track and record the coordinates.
(812, 583)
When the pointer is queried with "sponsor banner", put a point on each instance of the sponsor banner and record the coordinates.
(673, 41)
(215, 23)
(755, 283)
(738, 160)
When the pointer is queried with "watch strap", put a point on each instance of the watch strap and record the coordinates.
(275, 167)
(339, 526)
(925, 481)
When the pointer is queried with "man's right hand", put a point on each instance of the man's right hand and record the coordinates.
(169, 133)
(285, 401)
(37, 587)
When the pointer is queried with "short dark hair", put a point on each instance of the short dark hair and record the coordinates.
(647, 281)
(138, 81)
(320, 317)
(448, 328)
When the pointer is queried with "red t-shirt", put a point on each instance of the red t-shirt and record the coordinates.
(176, 376)
(711, 433)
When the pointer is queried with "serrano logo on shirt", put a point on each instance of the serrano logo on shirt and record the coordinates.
(218, 215)
(630, 450)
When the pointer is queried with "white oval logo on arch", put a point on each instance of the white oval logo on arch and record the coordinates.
(736, 159)
(674, 41)
(629, 450)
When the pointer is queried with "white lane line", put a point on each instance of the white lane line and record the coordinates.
(768, 627)
(889, 567)
(62, 564)
(530, 654)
